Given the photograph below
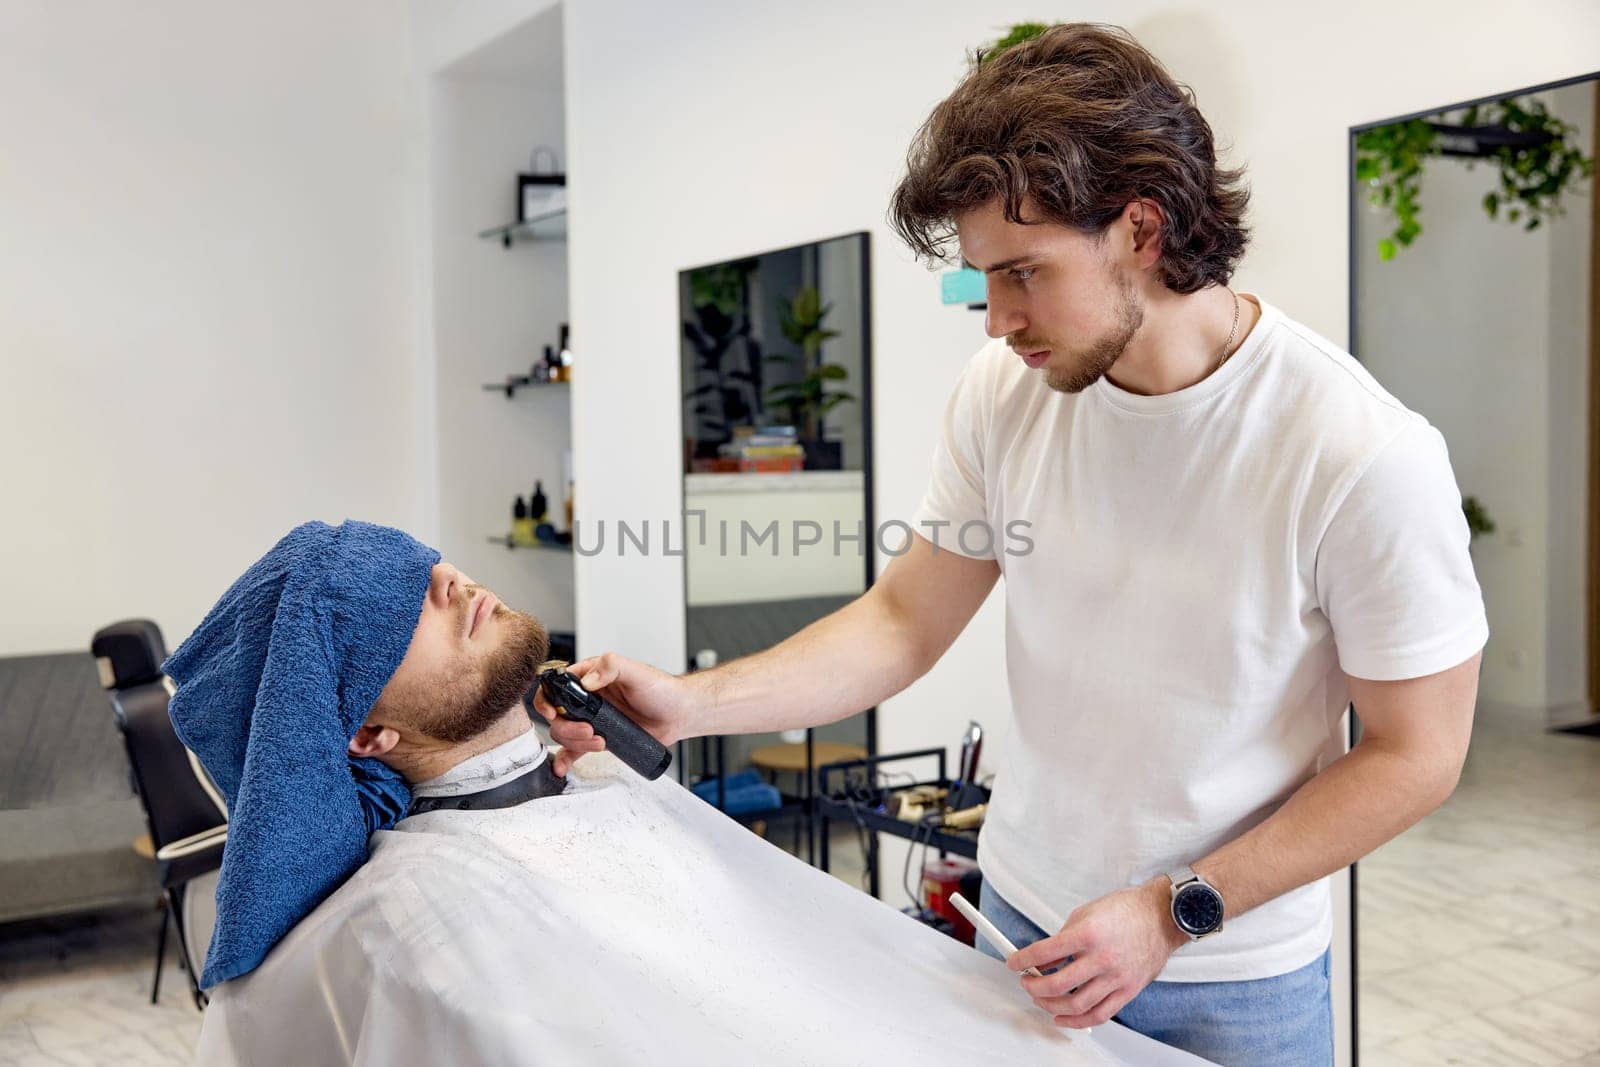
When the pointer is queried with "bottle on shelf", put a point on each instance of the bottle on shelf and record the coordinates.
(538, 509)
(522, 526)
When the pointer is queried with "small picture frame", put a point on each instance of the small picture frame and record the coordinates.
(537, 194)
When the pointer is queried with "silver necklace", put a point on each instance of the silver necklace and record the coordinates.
(1234, 329)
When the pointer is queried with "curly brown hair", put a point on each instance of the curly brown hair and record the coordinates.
(1078, 122)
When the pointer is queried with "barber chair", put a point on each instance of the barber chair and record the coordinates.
(187, 817)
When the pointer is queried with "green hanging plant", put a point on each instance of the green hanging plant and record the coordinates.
(1533, 178)
(1022, 31)
(1390, 158)
(1478, 520)
(1536, 167)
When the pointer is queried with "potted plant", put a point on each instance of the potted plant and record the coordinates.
(724, 396)
(807, 397)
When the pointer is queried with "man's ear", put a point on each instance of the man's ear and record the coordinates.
(1146, 223)
(373, 740)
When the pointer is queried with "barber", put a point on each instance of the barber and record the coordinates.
(1228, 532)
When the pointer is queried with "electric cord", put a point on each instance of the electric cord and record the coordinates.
(859, 789)
(869, 788)
(864, 838)
(905, 872)
(926, 826)
(931, 823)
(885, 776)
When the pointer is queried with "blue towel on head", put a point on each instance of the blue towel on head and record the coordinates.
(270, 689)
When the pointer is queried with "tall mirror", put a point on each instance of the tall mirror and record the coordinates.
(1475, 300)
(777, 471)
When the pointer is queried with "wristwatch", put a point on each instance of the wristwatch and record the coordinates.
(1196, 904)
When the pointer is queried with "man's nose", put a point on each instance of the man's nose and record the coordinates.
(1002, 319)
(445, 580)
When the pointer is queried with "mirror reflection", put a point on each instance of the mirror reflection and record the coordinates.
(777, 492)
(1474, 303)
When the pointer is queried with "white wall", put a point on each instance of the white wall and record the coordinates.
(494, 309)
(207, 271)
(1482, 327)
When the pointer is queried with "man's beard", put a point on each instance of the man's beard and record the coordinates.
(1103, 354)
(462, 708)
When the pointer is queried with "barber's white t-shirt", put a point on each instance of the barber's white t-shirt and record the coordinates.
(1188, 579)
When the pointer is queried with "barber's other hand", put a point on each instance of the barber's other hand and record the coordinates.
(1118, 945)
(654, 699)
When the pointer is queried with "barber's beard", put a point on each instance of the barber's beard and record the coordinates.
(463, 708)
(1093, 364)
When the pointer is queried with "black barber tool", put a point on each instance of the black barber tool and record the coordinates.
(966, 793)
(624, 738)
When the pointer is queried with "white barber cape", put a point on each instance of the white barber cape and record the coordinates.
(622, 922)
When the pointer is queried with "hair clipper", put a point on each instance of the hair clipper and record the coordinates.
(624, 738)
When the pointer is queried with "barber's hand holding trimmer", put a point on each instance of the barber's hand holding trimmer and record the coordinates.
(838, 666)
(654, 699)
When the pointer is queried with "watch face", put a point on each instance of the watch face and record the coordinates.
(1198, 909)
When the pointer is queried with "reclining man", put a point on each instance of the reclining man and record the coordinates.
(407, 881)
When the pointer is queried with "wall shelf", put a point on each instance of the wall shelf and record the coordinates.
(504, 541)
(510, 386)
(549, 226)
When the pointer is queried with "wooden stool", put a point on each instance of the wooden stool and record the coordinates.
(791, 759)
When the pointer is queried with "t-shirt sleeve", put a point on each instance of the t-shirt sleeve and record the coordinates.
(1393, 573)
(956, 494)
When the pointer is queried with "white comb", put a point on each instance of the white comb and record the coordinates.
(991, 933)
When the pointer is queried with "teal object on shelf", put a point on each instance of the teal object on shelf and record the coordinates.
(963, 286)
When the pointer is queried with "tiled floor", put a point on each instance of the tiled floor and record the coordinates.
(1479, 934)
(79, 993)
(1479, 929)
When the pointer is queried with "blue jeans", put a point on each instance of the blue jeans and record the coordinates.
(1276, 1021)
